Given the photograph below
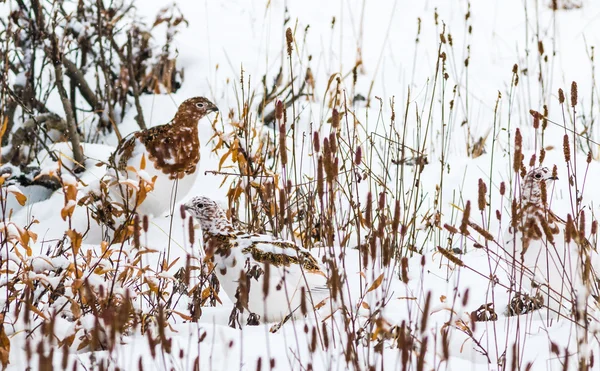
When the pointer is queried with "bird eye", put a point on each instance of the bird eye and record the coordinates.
(200, 105)
(538, 176)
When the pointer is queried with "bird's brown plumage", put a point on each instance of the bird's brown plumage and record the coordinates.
(172, 148)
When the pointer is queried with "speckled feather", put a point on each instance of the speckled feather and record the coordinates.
(171, 153)
(540, 260)
(173, 148)
(237, 254)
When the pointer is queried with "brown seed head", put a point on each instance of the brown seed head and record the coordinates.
(566, 148)
(465, 219)
(482, 189)
(502, 188)
(335, 118)
(518, 158)
(573, 94)
(316, 142)
(358, 156)
(561, 96)
(289, 38)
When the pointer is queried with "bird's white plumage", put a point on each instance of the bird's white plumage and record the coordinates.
(291, 269)
(540, 260)
(166, 191)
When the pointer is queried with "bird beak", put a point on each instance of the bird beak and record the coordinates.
(186, 207)
(213, 108)
(554, 178)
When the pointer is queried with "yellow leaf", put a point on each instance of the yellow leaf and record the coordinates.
(376, 284)
(21, 198)
(224, 158)
(187, 318)
(4, 347)
(76, 239)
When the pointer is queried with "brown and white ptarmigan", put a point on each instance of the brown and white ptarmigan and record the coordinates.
(169, 152)
(272, 278)
(546, 263)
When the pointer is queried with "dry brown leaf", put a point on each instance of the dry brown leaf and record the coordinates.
(76, 239)
(4, 347)
(376, 283)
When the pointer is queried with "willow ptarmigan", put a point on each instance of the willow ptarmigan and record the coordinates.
(170, 152)
(546, 263)
(292, 271)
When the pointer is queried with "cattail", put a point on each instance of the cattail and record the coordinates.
(136, 229)
(282, 203)
(502, 188)
(266, 279)
(485, 234)
(448, 255)
(581, 226)
(320, 180)
(540, 47)
(515, 69)
(555, 172)
(258, 364)
(536, 119)
(561, 96)
(426, 310)
(332, 143)
(303, 308)
(369, 210)
(544, 192)
(532, 161)
(450, 228)
(325, 336)
(465, 219)
(589, 157)
(290, 40)
(316, 142)
(465, 297)
(358, 156)
(482, 189)
(573, 94)
(570, 229)
(542, 155)
(566, 148)
(279, 110)
(335, 118)
(145, 223)
(396, 219)
(514, 214)
(545, 118)
(404, 265)
(498, 215)
(326, 148)
(282, 146)
(313, 342)
(594, 227)
(518, 154)
(381, 203)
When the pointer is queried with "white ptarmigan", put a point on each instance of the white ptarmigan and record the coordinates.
(545, 261)
(170, 152)
(290, 271)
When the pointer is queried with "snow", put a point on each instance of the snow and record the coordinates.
(226, 37)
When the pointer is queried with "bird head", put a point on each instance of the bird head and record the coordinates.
(532, 188)
(211, 216)
(193, 109)
(540, 174)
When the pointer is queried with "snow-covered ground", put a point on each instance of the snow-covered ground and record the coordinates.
(397, 43)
